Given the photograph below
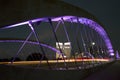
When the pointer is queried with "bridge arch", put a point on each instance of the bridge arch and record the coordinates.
(92, 24)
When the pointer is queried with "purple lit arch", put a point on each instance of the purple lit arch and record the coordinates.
(92, 24)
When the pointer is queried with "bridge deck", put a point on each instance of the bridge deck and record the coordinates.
(23, 73)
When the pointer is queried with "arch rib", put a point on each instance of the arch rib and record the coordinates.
(92, 24)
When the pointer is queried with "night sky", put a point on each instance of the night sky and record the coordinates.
(107, 12)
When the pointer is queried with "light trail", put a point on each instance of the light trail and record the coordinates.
(54, 61)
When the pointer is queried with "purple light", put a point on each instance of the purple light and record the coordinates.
(39, 19)
(64, 17)
(92, 24)
(31, 26)
(112, 54)
(31, 42)
(15, 25)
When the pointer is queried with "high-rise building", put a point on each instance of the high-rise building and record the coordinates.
(65, 48)
(59, 46)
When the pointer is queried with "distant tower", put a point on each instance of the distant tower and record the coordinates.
(59, 46)
(66, 49)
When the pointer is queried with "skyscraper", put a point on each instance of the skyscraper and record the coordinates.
(59, 46)
(65, 48)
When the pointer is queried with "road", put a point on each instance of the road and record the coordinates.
(53, 61)
(69, 64)
(111, 72)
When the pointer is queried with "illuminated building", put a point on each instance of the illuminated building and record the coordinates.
(65, 49)
(59, 46)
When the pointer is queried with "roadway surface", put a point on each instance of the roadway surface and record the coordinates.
(70, 64)
(53, 61)
(111, 72)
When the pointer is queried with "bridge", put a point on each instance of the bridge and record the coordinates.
(85, 39)
(55, 43)
(88, 45)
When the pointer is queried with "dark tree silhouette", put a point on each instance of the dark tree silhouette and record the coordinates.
(16, 59)
(4, 60)
(36, 56)
(10, 59)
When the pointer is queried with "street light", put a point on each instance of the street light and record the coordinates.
(93, 43)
